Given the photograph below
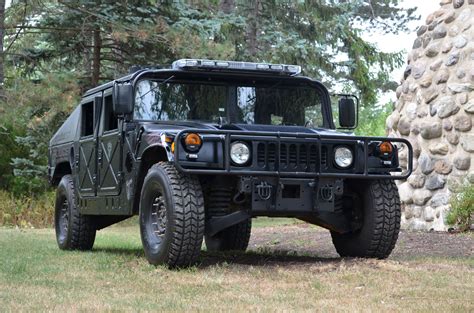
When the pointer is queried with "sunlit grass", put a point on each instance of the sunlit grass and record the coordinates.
(35, 274)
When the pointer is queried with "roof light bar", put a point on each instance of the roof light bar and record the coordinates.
(197, 64)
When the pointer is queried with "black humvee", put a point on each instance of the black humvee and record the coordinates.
(199, 148)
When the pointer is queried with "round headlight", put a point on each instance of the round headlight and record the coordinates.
(239, 152)
(343, 157)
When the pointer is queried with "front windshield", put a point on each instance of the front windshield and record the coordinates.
(272, 104)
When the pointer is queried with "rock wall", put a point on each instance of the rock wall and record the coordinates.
(435, 112)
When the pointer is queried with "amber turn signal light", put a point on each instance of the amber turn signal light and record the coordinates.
(192, 142)
(386, 148)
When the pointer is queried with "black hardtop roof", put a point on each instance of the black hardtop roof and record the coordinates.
(151, 71)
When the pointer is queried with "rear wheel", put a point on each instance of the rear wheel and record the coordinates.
(379, 210)
(235, 237)
(171, 216)
(74, 231)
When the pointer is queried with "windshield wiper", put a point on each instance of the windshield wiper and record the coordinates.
(159, 84)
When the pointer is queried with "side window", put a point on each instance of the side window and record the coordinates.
(110, 120)
(87, 122)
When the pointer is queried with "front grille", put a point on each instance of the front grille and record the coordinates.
(324, 157)
(293, 157)
(266, 155)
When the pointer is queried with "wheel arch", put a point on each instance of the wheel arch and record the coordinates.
(61, 169)
(151, 155)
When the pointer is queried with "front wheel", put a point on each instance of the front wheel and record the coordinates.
(171, 216)
(380, 212)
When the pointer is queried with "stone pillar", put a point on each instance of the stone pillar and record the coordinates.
(435, 112)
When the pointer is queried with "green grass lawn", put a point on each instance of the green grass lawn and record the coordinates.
(36, 275)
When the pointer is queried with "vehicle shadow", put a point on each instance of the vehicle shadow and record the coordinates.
(138, 252)
(248, 258)
(261, 258)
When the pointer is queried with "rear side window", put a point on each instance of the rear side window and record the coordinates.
(87, 117)
(110, 120)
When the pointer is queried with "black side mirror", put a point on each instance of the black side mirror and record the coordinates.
(122, 98)
(347, 113)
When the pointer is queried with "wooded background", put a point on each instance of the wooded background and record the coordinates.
(52, 51)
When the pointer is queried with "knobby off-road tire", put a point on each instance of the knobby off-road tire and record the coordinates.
(171, 216)
(234, 238)
(74, 231)
(380, 211)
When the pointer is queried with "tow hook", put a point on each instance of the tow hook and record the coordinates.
(264, 190)
(326, 193)
(239, 198)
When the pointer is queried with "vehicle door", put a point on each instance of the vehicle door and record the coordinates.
(109, 151)
(86, 179)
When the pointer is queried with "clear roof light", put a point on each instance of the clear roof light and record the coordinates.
(179, 63)
(277, 67)
(262, 66)
(207, 63)
(192, 62)
(294, 69)
(222, 64)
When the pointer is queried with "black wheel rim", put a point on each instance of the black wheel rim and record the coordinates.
(156, 220)
(63, 219)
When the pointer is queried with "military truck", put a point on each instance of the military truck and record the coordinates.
(199, 148)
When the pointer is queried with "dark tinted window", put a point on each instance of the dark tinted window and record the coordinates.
(279, 106)
(87, 119)
(155, 101)
(110, 120)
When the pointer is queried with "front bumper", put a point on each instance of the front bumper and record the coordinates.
(289, 155)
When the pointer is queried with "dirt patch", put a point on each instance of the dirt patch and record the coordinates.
(307, 245)
(311, 241)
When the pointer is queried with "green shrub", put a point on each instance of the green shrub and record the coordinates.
(30, 116)
(27, 212)
(462, 208)
(9, 149)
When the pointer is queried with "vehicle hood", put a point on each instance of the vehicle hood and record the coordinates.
(173, 127)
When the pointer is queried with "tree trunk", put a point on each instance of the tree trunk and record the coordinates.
(87, 59)
(252, 29)
(96, 58)
(2, 55)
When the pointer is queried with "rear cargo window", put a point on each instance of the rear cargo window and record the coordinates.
(87, 119)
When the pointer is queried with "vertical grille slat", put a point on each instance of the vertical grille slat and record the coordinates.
(271, 156)
(313, 157)
(324, 157)
(261, 154)
(293, 156)
(303, 157)
(283, 155)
